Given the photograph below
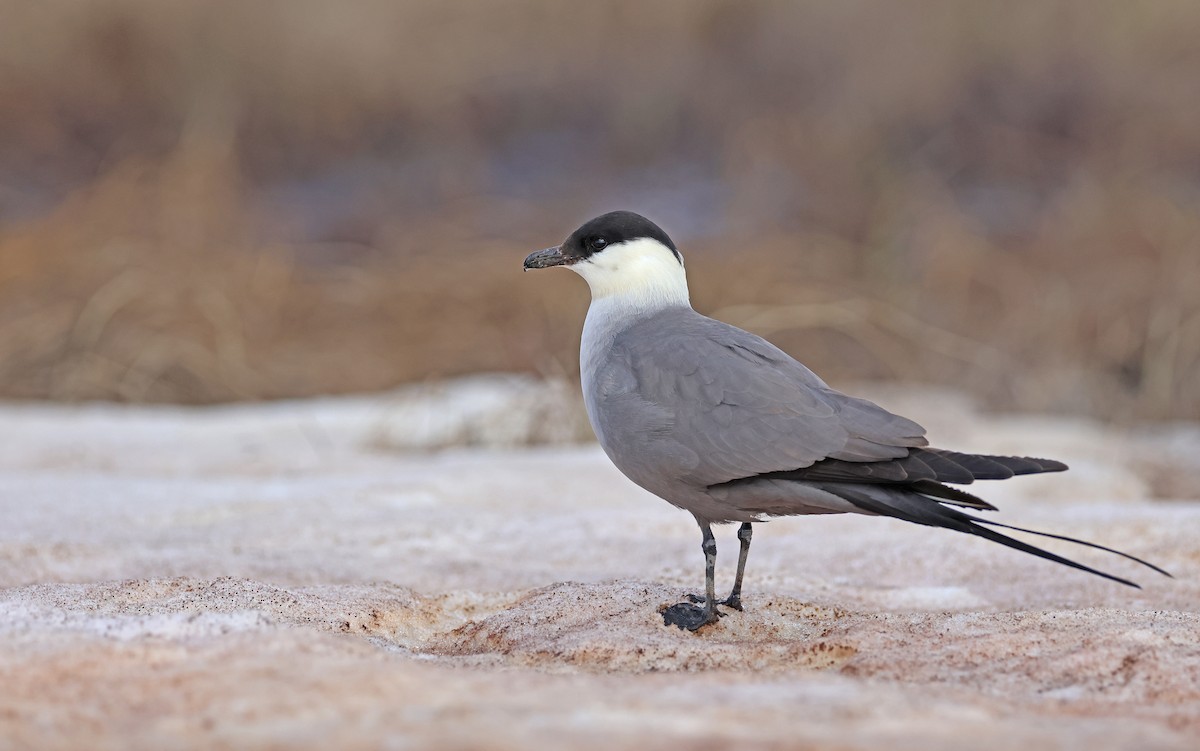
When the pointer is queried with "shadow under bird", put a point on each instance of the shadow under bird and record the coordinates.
(724, 424)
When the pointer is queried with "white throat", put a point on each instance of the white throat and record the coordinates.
(639, 276)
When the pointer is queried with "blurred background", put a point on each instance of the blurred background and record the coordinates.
(206, 201)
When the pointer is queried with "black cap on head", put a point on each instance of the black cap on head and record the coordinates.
(612, 228)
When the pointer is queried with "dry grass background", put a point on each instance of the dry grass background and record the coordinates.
(207, 200)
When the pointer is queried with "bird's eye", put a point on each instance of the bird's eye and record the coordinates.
(598, 243)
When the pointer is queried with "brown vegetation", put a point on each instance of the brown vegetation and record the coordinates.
(211, 201)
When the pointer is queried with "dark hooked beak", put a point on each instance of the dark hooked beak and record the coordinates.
(545, 258)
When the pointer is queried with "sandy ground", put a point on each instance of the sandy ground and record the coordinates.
(282, 576)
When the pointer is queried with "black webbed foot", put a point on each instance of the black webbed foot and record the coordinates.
(688, 616)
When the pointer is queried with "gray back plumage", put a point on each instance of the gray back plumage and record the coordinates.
(718, 403)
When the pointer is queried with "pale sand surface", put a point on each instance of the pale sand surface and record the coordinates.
(279, 576)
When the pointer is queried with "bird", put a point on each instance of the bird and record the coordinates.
(719, 422)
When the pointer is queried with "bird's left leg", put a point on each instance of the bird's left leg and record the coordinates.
(685, 614)
(734, 600)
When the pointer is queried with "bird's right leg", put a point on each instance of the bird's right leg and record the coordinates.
(685, 614)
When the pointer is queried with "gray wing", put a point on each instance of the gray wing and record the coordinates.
(735, 405)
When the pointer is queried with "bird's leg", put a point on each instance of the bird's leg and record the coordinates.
(734, 600)
(686, 615)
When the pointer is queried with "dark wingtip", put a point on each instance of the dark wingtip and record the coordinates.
(1050, 465)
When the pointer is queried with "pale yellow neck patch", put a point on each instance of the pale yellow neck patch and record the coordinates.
(641, 274)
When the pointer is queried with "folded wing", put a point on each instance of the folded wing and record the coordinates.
(745, 407)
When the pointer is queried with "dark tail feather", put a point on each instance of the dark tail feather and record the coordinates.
(947, 494)
(910, 507)
(1077, 541)
(987, 534)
